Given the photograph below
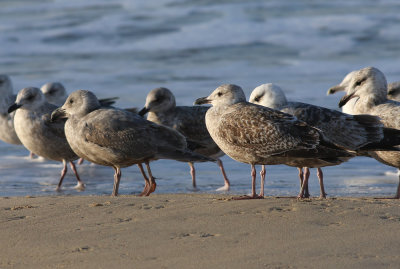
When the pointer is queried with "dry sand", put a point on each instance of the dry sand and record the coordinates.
(198, 231)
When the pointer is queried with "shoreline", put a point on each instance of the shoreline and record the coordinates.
(198, 231)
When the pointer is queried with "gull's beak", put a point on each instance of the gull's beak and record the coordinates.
(143, 111)
(335, 89)
(59, 113)
(202, 100)
(13, 107)
(346, 98)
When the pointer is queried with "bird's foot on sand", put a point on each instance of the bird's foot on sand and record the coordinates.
(80, 186)
(224, 188)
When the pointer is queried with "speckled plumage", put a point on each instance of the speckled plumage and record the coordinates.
(188, 120)
(255, 134)
(368, 87)
(36, 132)
(118, 138)
(345, 131)
(7, 98)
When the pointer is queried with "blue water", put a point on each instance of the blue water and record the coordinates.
(126, 48)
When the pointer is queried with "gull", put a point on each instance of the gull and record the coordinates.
(189, 121)
(368, 88)
(118, 138)
(38, 134)
(7, 98)
(353, 133)
(256, 134)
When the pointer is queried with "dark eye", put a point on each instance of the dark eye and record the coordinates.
(219, 93)
(71, 101)
(359, 82)
(29, 98)
(257, 99)
(51, 92)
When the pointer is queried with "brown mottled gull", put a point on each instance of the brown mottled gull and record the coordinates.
(368, 87)
(7, 98)
(255, 134)
(38, 134)
(118, 138)
(354, 133)
(189, 121)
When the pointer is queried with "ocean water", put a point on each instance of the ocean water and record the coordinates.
(126, 48)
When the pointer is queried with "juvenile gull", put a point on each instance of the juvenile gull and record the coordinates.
(7, 98)
(118, 138)
(255, 134)
(189, 121)
(56, 94)
(368, 87)
(393, 92)
(38, 134)
(353, 133)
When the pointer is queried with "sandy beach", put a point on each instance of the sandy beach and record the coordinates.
(198, 231)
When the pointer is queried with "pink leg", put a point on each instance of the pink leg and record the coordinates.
(305, 182)
(80, 161)
(253, 187)
(193, 174)
(117, 178)
(300, 175)
(227, 184)
(262, 174)
(146, 181)
(63, 172)
(321, 183)
(80, 185)
(31, 155)
(153, 184)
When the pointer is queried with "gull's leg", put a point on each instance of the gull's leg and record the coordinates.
(321, 183)
(117, 178)
(146, 181)
(305, 183)
(80, 185)
(262, 174)
(63, 172)
(397, 196)
(193, 174)
(253, 187)
(227, 184)
(80, 161)
(153, 184)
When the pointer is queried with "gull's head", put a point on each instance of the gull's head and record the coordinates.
(394, 91)
(343, 85)
(226, 94)
(5, 85)
(368, 84)
(158, 100)
(79, 103)
(269, 95)
(30, 98)
(54, 93)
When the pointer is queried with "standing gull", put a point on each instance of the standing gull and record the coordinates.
(118, 138)
(189, 121)
(38, 134)
(7, 98)
(393, 92)
(353, 133)
(368, 87)
(255, 134)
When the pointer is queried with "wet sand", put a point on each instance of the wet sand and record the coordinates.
(198, 231)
